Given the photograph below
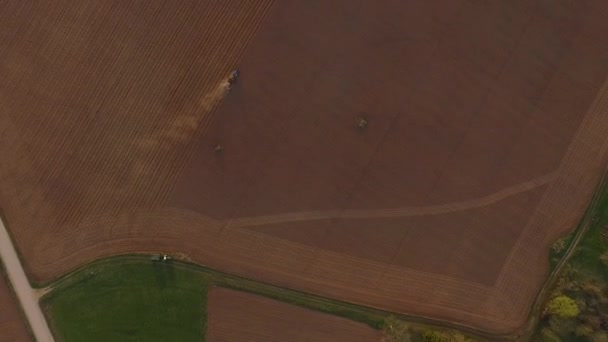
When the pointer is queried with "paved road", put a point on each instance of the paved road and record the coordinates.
(27, 296)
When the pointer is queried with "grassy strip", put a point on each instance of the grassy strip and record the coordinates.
(210, 277)
(76, 282)
(564, 247)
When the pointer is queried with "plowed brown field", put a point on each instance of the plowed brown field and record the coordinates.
(101, 102)
(12, 322)
(239, 316)
(487, 133)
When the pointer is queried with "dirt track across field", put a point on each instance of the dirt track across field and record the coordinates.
(240, 316)
(487, 133)
(15, 328)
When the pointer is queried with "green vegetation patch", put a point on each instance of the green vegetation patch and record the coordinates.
(131, 298)
(577, 309)
(130, 301)
(396, 330)
(558, 249)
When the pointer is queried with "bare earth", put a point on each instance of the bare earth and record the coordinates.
(487, 133)
(27, 297)
(240, 316)
(12, 323)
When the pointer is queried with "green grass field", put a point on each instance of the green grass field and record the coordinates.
(132, 301)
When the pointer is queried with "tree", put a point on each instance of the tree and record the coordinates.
(562, 306)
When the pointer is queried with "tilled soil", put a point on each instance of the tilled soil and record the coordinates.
(12, 322)
(240, 316)
(485, 135)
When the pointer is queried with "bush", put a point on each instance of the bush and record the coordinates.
(604, 259)
(396, 330)
(434, 336)
(562, 306)
(584, 330)
(559, 246)
(592, 289)
(600, 337)
(561, 325)
(458, 337)
(547, 335)
(591, 320)
(581, 304)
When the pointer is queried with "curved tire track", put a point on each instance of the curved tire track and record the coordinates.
(396, 212)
